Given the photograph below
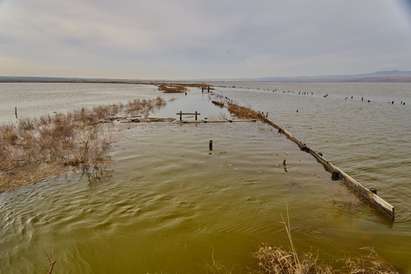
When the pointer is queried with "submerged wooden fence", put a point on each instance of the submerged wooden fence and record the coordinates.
(368, 195)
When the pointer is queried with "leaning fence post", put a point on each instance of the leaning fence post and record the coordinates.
(15, 112)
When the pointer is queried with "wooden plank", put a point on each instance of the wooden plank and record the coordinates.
(375, 200)
(188, 113)
(216, 121)
(364, 193)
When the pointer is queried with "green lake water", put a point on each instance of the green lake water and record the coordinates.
(171, 206)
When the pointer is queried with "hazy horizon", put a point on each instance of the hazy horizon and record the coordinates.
(203, 39)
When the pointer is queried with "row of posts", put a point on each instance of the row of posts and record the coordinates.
(207, 88)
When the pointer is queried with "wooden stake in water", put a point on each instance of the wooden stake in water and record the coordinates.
(15, 112)
(210, 145)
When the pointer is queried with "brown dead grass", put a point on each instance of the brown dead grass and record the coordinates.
(172, 88)
(38, 148)
(276, 260)
(244, 112)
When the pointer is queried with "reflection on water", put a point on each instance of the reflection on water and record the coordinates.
(170, 205)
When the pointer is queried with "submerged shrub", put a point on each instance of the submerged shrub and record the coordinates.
(72, 139)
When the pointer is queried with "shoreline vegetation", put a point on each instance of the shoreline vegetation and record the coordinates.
(172, 88)
(34, 149)
(180, 87)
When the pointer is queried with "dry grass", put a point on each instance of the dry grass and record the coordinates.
(274, 260)
(172, 88)
(244, 112)
(280, 261)
(180, 87)
(37, 148)
(277, 260)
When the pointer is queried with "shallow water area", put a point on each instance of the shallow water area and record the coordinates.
(172, 206)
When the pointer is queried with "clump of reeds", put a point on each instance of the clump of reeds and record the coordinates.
(172, 88)
(244, 112)
(144, 106)
(37, 148)
(276, 260)
(368, 264)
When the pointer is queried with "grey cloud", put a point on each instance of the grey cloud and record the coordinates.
(202, 38)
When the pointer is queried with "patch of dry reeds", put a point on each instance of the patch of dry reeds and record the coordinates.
(276, 260)
(172, 88)
(37, 148)
(244, 112)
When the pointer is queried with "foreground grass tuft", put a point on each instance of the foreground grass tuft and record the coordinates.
(275, 260)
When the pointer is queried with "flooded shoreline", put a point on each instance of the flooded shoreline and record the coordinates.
(169, 197)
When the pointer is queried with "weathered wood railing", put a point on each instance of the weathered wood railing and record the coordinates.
(368, 195)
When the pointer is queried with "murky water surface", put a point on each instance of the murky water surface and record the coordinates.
(172, 207)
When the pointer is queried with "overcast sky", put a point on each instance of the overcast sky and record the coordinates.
(203, 38)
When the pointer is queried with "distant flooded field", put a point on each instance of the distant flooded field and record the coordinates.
(171, 206)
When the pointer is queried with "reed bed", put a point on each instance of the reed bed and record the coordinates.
(34, 149)
(244, 112)
(172, 88)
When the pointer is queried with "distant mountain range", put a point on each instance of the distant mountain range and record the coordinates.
(379, 76)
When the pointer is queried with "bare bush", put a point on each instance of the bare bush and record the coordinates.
(36, 148)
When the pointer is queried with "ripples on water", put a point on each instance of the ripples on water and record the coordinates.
(170, 206)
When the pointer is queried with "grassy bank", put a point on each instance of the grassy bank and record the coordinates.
(34, 149)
